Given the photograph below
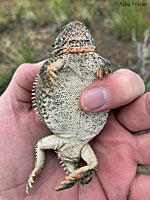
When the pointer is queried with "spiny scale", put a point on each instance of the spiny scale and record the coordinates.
(33, 98)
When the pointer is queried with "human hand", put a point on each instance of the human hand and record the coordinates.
(117, 150)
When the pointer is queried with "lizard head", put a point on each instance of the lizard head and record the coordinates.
(73, 38)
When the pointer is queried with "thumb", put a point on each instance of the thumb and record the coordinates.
(116, 90)
(20, 87)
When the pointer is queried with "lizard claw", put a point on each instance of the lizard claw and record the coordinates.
(31, 180)
(29, 184)
(52, 74)
(107, 71)
(65, 185)
(100, 72)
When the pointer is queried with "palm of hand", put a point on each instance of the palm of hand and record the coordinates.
(110, 151)
(115, 149)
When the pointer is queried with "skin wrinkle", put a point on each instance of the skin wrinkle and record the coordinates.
(21, 86)
(28, 78)
(134, 146)
(117, 118)
(143, 146)
(140, 160)
(28, 74)
(131, 116)
(96, 179)
(78, 196)
(26, 90)
(132, 188)
(101, 186)
(147, 104)
(15, 187)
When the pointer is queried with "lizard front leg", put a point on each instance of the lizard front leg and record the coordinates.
(49, 69)
(103, 67)
(49, 142)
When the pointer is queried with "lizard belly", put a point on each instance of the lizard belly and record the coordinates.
(61, 109)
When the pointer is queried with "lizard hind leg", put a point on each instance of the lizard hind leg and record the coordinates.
(49, 142)
(70, 167)
(83, 174)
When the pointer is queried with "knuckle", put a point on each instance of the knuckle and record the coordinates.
(22, 68)
(130, 79)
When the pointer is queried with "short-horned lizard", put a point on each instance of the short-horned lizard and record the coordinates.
(73, 66)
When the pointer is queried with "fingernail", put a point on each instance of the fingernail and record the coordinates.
(94, 99)
(40, 63)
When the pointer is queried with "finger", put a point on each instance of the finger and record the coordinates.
(116, 90)
(143, 147)
(136, 116)
(140, 188)
(19, 89)
(115, 150)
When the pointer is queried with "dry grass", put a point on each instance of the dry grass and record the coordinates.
(27, 26)
(123, 19)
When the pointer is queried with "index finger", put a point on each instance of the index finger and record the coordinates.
(118, 89)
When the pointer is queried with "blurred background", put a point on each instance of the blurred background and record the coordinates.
(120, 29)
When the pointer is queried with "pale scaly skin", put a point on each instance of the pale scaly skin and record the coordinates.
(71, 145)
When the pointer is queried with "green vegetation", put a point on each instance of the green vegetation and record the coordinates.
(59, 11)
(34, 13)
(25, 51)
(4, 20)
(5, 78)
(26, 11)
(125, 16)
(27, 26)
(68, 10)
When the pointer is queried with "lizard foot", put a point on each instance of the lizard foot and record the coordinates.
(31, 179)
(81, 176)
(100, 72)
(47, 73)
(65, 185)
(107, 71)
(69, 184)
(52, 74)
(86, 180)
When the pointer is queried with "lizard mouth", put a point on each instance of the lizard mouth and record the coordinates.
(80, 49)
